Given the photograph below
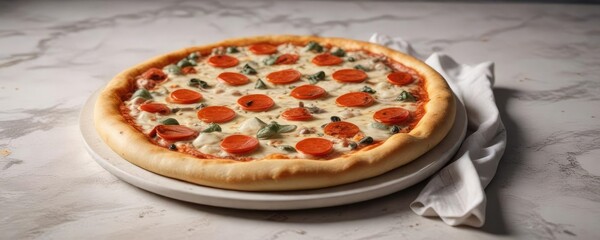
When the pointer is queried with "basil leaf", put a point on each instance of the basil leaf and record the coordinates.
(287, 148)
(186, 63)
(362, 68)
(267, 131)
(212, 127)
(143, 93)
(232, 49)
(368, 89)
(169, 121)
(313, 46)
(379, 126)
(338, 52)
(350, 59)
(314, 78)
(406, 97)
(193, 56)
(260, 84)
(248, 70)
(194, 82)
(366, 140)
(270, 60)
(172, 69)
(286, 128)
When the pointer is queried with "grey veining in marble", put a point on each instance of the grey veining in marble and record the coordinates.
(55, 54)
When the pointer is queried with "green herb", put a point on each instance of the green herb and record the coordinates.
(169, 121)
(352, 145)
(272, 129)
(232, 49)
(248, 70)
(380, 126)
(212, 127)
(260, 84)
(362, 68)
(335, 119)
(314, 78)
(313, 46)
(194, 82)
(368, 89)
(366, 141)
(350, 59)
(270, 60)
(406, 97)
(261, 122)
(172, 69)
(394, 129)
(287, 148)
(186, 63)
(143, 93)
(172, 147)
(339, 52)
(193, 56)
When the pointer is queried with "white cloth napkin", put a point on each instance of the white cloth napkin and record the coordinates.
(456, 193)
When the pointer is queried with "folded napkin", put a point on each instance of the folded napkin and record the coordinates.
(456, 193)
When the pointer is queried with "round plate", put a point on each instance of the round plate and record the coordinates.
(381, 185)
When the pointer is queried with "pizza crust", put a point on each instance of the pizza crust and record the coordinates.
(275, 174)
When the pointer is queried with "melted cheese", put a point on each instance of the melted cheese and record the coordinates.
(221, 94)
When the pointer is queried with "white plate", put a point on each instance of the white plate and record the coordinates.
(382, 185)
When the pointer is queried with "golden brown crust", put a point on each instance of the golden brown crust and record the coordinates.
(275, 174)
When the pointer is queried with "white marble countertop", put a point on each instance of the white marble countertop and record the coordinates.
(54, 55)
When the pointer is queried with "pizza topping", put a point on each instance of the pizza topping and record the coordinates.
(287, 148)
(355, 99)
(194, 82)
(394, 129)
(263, 49)
(184, 96)
(232, 49)
(188, 70)
(206, 139)
(159, 108)
(287, 59)
(400, 78)
(406, 97)
(362, 68)
(306, 92)
(338, 52)
(335, 119)
(175, 132)
(315, 146)
(186, 63)
(172, 69)
(326, 59)
(141, 93)
(173, 147)
(212, 127)
(272, 129)
(154, 74)
(248, 70)
(296, 114)
(169, 121)
(260, 84)
(393, 115)
(223, 61)
(233, 79)
(256, 102)
(349, 75)
(315, 78)
(239, 144)
(313, 46)
(284, 76)
(367, 89)
(341, 129)
(366, 140)
(216, 114)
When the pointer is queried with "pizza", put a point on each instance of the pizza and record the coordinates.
(275, 113)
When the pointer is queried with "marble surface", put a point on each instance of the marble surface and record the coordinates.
(54, 55)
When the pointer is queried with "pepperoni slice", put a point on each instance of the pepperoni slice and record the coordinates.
(154, 74)
(223, 61)
(287, 59)
(256, 102)
(184, 96)
(155, 108)
(341, 129)
(284, 76)
(188, 70)
(400, 78)
(315, 146)
(239, 144)
(355, 99)
(296, 114)
(393, 115)
(175, 132)
(349, 75)
(307, 92)
(233, 79)
(216, 114)
(263, 49)
(326, 59)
